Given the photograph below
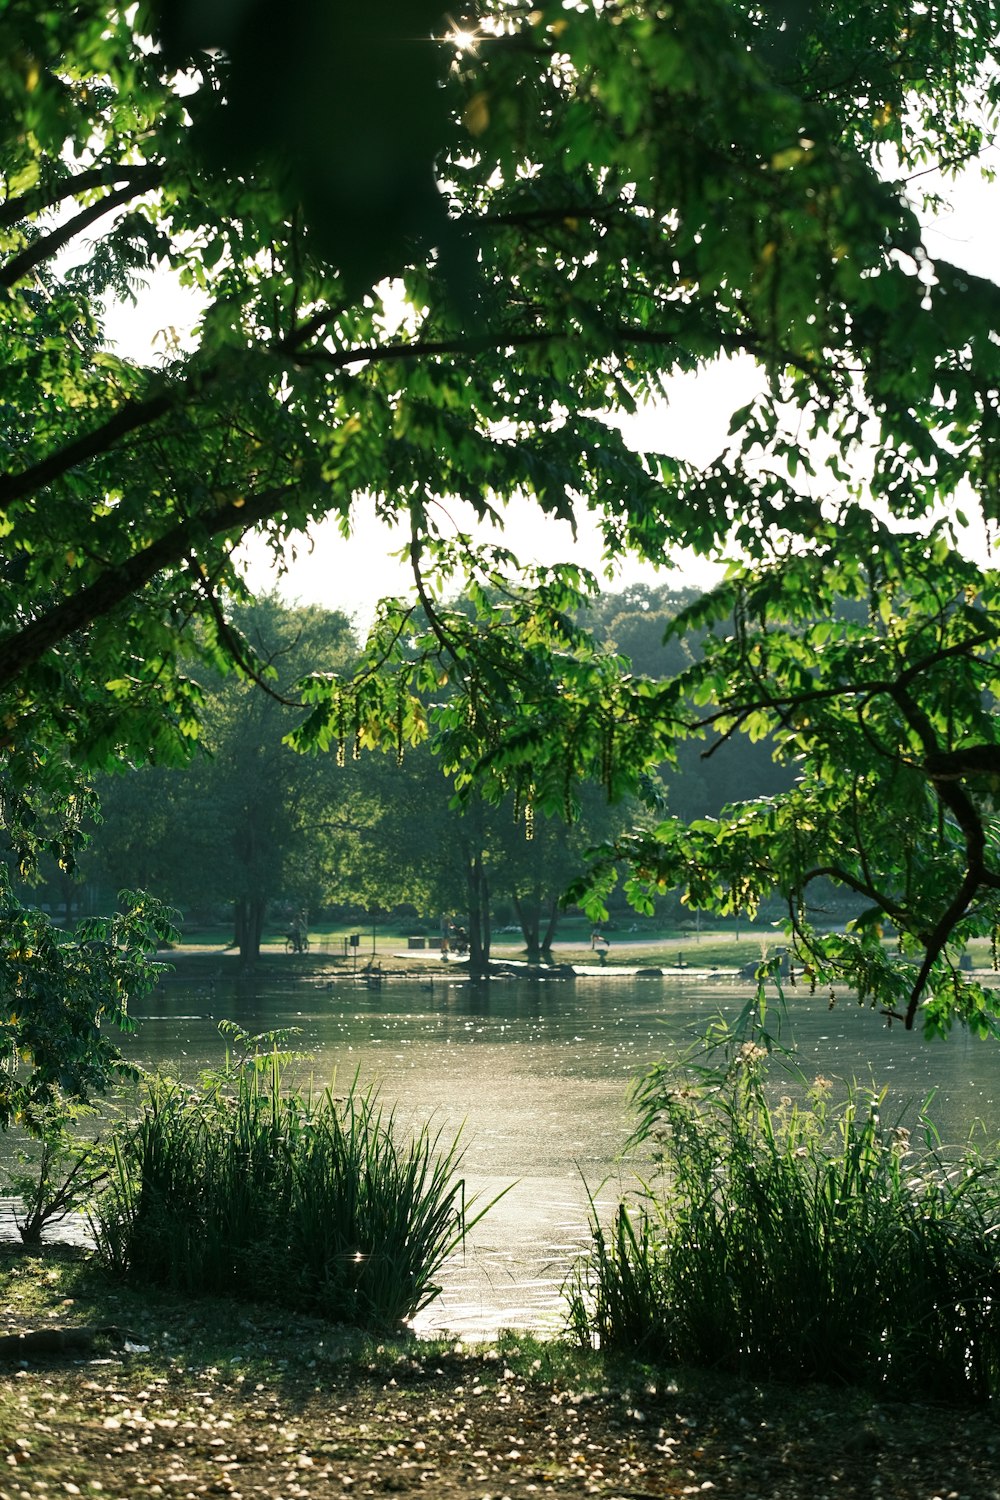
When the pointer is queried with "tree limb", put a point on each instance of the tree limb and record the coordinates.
(21, 649)
(128, 418)
(233, 643)
(142, 176)
(47, 245)
(891, 908)
(962, 808)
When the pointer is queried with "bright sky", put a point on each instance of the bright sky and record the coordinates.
(352, 575)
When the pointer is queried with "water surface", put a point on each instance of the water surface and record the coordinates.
(536, 1075)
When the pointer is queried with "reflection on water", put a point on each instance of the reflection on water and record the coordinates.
(536, 1075)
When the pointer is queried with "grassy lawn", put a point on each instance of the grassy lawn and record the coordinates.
(702, 949)
(642, 944)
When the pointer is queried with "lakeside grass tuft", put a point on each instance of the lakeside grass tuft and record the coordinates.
(792, 1238)
(240, 1187)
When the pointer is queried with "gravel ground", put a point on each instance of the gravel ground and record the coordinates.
(223, 1399)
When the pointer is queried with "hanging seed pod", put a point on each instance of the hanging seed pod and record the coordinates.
(607, 757)
(529, 823)
(399, 729)
(339, 722)
(993, 950)
(740, 620)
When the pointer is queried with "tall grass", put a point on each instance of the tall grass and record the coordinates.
(795, 1240)
(244, 1188)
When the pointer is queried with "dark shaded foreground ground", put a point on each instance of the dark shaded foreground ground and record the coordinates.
(237, 1401)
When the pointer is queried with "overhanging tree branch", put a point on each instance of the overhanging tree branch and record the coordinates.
(977, 873)
(142, 177)
(843, 876)
(233, 643)
(129, 418)
(48, 245)
(784, 703)
(20, 650)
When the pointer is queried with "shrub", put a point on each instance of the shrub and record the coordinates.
(53, 1173)
(793, 1240)
(241, 1187)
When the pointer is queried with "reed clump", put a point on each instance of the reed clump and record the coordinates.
(244, 1187)
(798, 1238)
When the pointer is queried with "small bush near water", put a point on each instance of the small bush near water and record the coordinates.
(241, 1188)
(799, 1241)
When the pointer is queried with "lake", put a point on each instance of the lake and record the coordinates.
(536, 1074)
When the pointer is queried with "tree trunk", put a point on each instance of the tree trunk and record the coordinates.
(479, 918)
(551, 926)
(68, 891)
(529, 916)
(530, 911)
(248, 928)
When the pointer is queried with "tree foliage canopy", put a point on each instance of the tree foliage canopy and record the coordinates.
(248, 821)
(57, 990)
(584, 200)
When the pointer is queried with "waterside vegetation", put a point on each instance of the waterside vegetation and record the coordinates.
(787, 1233)
(306, 1199)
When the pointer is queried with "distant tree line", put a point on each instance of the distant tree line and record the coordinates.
(252, 831)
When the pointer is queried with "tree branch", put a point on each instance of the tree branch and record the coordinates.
(48, 245)
(619, 337)
(142, 176)
(128, 418)
(783, 703)
(21, 649)
(961, 806)
(937, 939)
(971, 760)
(438, 630)
(860, 887)
(233, 643)
(138, 414)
